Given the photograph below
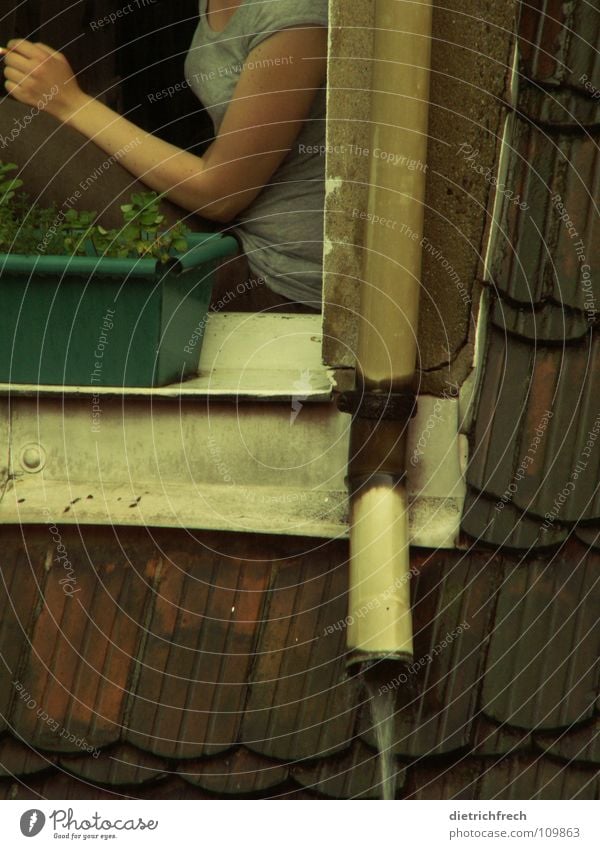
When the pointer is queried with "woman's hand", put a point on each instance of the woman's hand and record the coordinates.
(39, 76)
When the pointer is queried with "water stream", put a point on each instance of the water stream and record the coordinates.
(383, 706)
(385, 700)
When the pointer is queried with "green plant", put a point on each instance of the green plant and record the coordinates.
(26, 228)
(8, 186)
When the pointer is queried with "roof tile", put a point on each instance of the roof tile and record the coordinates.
(562, 108)
(589, 534)
(190, 684)
(236, 772)
(490, 738)
(121, 764)
(549, 322)
(17, 758)
(83, 642)
(170, 788)
(55, 785)
(544, 465)
(288, 792)
(439, 778)
(22, 577)
(543, 647)
(307, 718)
(301, 705)
(527, 777)
(558, 46)
(508, 527)
(354, 774)
(580, 745)
(547, 249)
(510, 777)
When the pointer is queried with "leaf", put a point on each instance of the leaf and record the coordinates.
(21, 223)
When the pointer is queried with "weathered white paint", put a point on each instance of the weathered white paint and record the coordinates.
(271, 466)
(436, 483)
(332, 184)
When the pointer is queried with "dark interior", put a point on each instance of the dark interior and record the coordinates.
(123, 60)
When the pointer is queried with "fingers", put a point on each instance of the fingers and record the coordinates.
(14, 75)
(26, 48)
(15, 60)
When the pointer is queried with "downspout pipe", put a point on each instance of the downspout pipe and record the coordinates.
(384, 399)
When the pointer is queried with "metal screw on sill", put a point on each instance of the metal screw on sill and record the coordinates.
(33, 458)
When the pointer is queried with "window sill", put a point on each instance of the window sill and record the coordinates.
(245, 355)
(278, 466)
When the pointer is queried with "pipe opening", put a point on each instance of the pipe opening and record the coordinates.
(388, 670)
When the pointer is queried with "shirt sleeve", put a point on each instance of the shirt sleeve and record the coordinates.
(271, 16)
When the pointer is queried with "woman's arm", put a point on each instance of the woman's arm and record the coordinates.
(270, 104)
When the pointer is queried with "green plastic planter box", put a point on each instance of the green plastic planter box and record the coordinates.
(103, 321)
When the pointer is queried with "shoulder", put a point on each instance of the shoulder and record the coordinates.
(264, 17)
(274, 10)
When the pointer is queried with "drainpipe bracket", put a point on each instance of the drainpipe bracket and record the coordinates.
(395, 406)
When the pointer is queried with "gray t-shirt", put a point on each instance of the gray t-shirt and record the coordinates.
(282, 229)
